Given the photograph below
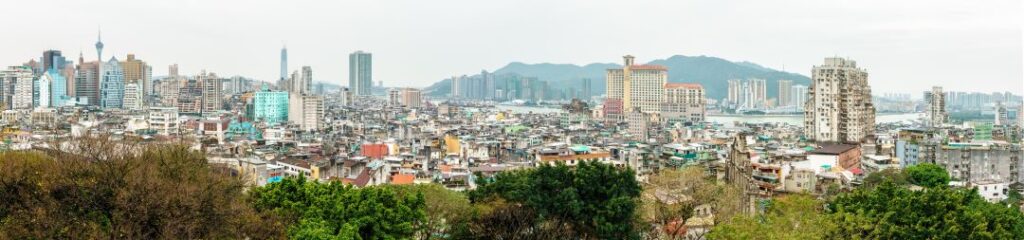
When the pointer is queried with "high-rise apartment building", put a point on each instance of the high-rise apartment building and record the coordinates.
(87, 81)
(1001, 115)
(360, 73)
(344, 96)
(271, 107)
(112, 84)
(412, 97)
(307, 111)
(759, 92)
(172, 71)
(639, 87)
(839, 108)
(138, 72)
(936, 110)
(587, 91)
(302, 82)
(132, 96)
(799, 96)
(394, 97)
(212, 92)
(785, 93)
(735, 92)
(684, 102)
(190, 97)
(18, 87)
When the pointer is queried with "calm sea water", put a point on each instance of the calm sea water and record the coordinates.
(730, 119)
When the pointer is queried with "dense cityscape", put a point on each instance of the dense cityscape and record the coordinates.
(99, 147)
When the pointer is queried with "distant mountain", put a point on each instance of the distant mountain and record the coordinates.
(711, 72)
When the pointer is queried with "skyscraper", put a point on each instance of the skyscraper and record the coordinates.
(52, 59)
(306, 81)
(839, 108)
(132, 96)
(138, 72)
(412, 98)
(306, 110)
(58, 88)
(172, 71)
(936, 110)
(799, 96)
(19, 82)
(785, 92)
(759, 88)
(41, 92)
(212, 92)
(735, 92)
(587, 90)
(87, 81)
(360, 73)
(639, 87)
(284, 63)
(112, 85)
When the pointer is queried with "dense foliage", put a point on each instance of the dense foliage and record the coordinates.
(895, 212)
(114, 191)
(338, 211)
(927, 175)
(590, 200)
(788, 217)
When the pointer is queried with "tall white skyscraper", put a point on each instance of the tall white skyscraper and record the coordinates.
(112, 85)
(360, 73)
(759, 92)
(735, 92)
(839, 108)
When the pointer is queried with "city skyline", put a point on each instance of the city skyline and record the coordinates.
(901, 45)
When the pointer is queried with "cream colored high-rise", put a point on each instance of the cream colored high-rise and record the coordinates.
(640, 87)
(839, 108)
(138, 72)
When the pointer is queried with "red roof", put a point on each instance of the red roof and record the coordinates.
(683, 85)
(856, 171)
(648, 67)
(401, 179)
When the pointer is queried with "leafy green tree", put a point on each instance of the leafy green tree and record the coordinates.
(895, 175)
(335, 210)
(98, 189)
(928, 175)
(788, 217)
(895, 212)
(594, 200)
(447, 211)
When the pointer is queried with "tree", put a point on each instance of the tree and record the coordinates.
(594, 200)
(447, 211)
(94, 188)
(335, 210)
(891, 174)
(788, 217)
(671, 195)
(890, 211)
(927, 175)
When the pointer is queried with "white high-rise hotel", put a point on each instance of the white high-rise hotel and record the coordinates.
(640, 87)
(839, 108)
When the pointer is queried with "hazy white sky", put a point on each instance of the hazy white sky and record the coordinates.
(906, 46)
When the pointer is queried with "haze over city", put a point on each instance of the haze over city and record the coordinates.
(907, 46)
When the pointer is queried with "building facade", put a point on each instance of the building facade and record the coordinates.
(360, 73)
(307, 111)
(640, 87)
(839, 108)
(270, 107)
(684, 102)
(112, 85)
(936, 109)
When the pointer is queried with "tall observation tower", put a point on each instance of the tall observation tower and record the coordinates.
(99, 46)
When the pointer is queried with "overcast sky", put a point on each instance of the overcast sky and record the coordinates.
(906, 46)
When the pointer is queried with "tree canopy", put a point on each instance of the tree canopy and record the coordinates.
(927, 175)
(338, 211)
(591, 200)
